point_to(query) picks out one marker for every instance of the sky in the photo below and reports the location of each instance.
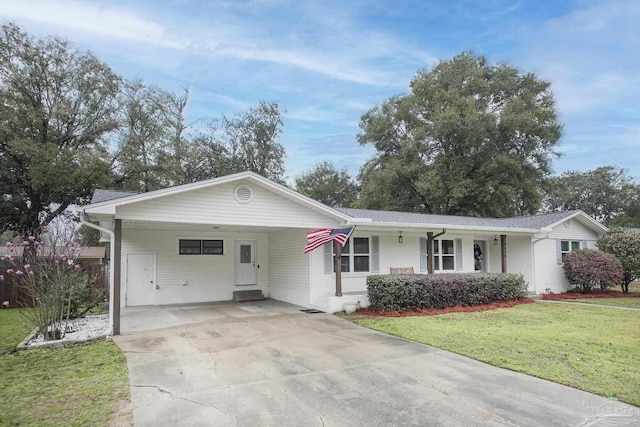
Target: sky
(328, 62)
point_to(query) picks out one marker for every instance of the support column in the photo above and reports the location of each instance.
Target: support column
(116, 264)
(337, 263)
(430, 252)
(503, 251)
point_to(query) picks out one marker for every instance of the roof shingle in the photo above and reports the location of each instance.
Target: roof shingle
(535, 222)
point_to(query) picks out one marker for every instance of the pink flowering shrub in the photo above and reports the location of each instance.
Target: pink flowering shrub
(589, 269)
(50, 282)
(624, 244)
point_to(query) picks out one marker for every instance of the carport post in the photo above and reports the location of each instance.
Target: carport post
(337, 264)
(503, 251)
(116, 264)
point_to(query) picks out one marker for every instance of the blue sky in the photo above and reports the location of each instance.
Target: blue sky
(327, 62)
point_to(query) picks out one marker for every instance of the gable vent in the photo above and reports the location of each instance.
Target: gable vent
(243, 194)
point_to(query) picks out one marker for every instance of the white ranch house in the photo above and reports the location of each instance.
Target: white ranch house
(201, 242)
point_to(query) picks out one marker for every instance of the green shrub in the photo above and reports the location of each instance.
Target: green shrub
(624, 244)
(410, 292)
(588, 269)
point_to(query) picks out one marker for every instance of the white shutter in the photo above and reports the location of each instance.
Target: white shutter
(458, 254)
(423, 254)
(558, 251)
(328, 257)
(375, 255)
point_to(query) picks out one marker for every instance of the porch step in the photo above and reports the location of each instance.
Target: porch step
(534, 296)
(252, 295)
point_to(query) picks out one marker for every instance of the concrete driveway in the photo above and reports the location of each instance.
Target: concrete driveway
(269, 364)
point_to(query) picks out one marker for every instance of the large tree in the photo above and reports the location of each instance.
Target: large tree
(250, 140)
(144, 138)
(471, 138)
(604, 193)
(57, 105)
(328, 185)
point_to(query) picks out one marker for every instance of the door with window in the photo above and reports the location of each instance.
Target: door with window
(140, 279)
(479, 255)
(245, 262)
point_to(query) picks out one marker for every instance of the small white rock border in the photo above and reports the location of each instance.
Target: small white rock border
(26, 345)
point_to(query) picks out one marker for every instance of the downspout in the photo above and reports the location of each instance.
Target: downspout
(430, 239)
(111, 234)
(533, 260)
(444, 230)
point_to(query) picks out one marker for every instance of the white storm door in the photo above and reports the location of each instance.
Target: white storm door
(245, 262)
(140, 279)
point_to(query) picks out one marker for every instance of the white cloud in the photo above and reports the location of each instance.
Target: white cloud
(110, 22)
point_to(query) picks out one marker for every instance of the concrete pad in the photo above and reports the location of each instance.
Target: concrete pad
(270, 364)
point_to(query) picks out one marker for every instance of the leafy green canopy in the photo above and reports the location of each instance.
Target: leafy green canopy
(328, 185)
(57, 105)
(605, 193)
(470, 139)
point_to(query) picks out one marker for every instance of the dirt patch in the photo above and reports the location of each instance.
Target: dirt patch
(598, 293)
(436, 311)
(123, 415)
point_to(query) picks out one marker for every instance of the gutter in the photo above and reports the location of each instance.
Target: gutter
(111, 234)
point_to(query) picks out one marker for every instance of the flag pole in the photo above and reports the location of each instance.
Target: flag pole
(337, 266)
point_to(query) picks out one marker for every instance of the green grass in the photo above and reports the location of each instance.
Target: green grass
(75, 386)
(614, 302)
(590, 348)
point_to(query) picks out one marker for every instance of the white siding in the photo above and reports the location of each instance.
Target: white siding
(289, 278)
(548, 273)
(217, 205)
(519, 258)
(208, 277)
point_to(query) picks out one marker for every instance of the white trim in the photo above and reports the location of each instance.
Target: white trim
(591, 223)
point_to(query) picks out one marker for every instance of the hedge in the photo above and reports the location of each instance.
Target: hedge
(409, 292)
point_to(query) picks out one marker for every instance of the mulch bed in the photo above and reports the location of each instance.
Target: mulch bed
(596, 293)
(435, 311)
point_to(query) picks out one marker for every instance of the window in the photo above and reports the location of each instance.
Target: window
(200, 247)
(212, 247)
(190, 247)
(444, 255)
(358, 258)
(567, 246)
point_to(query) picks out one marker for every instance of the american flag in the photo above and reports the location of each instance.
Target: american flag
(317, 238)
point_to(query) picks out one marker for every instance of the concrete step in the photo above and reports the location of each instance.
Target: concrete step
(251, 295)
(536, 297)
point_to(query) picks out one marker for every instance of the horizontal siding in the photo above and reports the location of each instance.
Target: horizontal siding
(573, 230)
(208, 277)
(289, 267)
(217, 205)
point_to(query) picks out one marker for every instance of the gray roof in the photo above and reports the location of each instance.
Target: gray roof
(104, 195)
(534, 222)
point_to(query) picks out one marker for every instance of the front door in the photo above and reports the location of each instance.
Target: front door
(140, 279)
(245, 262)
(480, 255)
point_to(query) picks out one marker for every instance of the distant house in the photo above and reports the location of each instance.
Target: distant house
(84, 255)
(203, 241)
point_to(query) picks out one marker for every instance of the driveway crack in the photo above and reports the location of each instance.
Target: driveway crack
(173, 396)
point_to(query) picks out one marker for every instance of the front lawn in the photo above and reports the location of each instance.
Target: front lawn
(75, 386)
(590, 348)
